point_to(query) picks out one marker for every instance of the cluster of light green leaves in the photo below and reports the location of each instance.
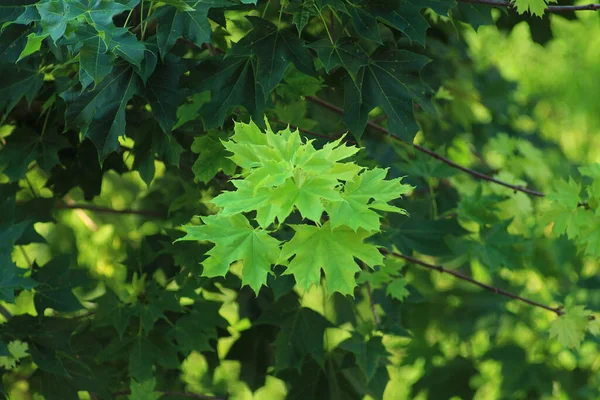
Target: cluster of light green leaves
(576, 212)
(282, 174)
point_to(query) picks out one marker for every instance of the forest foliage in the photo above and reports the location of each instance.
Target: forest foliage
(322, 199)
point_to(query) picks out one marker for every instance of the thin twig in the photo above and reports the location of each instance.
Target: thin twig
(372, 304)
(551, 9)
(5, 313)
(431, 153)
(180, 394)
(90, 207)
(557, 310)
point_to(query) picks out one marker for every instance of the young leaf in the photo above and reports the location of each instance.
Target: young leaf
(570, 327)
(236, 240)
(329, 249)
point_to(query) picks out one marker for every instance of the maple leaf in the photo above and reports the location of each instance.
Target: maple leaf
(535, 7)
(189, 20)
(343, 53)
(570, 327)
(24, 145)
(329, 249)
(143, 390)
(212, 158)
(100, 111)
(397, 289)
(370, 354)
(389, 81)
(274, 49)
(236, 240)
(356, 209)
(231, 83)
(17, 350)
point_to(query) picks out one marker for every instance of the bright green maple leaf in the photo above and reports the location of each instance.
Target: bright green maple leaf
(535, 7)
(570, 327)
(17, 350)
(397, 289)
(369, 191)
(594, 327)
(236, 240)
(329, 249)
(566, 194)
(282, 173)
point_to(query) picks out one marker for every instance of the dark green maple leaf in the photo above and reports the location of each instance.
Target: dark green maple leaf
(18, 81)
(10, 10)
(154, 142)
(406, 16)
(190, 23)
(274, 50)
(423, 236)
(141, 359)
(343, 53)
(301, 333)
(13, 39)
(23, 146)
(231, 83)
(370, 354)
(212, 157)
(57, 282)
(163, 93)
(474, 14)
(100, 111)
(195, 330)
(390, 81)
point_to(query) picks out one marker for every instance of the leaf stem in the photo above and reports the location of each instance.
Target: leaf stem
(430, 153)
(372, 304)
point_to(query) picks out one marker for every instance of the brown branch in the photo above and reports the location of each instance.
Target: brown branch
(550, 9)
(431, 153)
(5, 313)
(91, 207)
(557, 310)
(179, 394)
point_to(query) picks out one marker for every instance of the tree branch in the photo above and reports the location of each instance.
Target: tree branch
(179, 394)
(431, 153)
(557, 310)
(5, 313)
(549, 9)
